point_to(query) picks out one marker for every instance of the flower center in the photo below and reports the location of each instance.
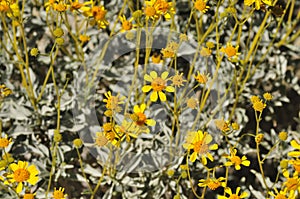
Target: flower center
(230, 51)
(76, 5)
(291, 184)
(98, 13)
(200, 147)
(58, 194)
(127, 25)
(163, 6)
(234, 196)
(213, 184)
(141, 119)
(21, 175)
(150, 11)
(101, 140)
(280, 196)
(236, 160)
(200, 5)
(4, 142)
(158, 84)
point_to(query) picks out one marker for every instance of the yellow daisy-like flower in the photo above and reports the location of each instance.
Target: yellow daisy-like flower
(283, 135)
(212, 183)
(50, 4)
(4, 142)
(268, 96)
(98, 13)
(59, 194)
(222, 125)
(201, 78)
(101, 140)
(201, 6)
(178, 80)
(158, 85)
(254, 99)
(259, 106)
(170, 50)
(192, 103)
(235, 126)
(230, 51)
(113, 102)
(295, 145)
(164, 8)
(4, 91)
(233, 195)
(22, 173)
(126, 24)
(199, 142)
(128, 129)
(139, 116)
(150, 10)
(236, 160)
(205, 52)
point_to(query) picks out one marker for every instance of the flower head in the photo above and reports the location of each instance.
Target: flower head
(156, 58)
(113, 102)
(292, 184)
(178, 80)
(233, 195)
(259, 105)
(222, 125)
(98, 13)
(100, 139)
(164, 8)
(236, 160)
(212, 183)
(192, 103)
(201, 6)
(22, 173)
(230, 51)
(29, 196)
(258, 3)
(150, 10)
(4, 91)
(282, 194)
(126, 23)
(199, 142)
(59, 194)
(268, 96)
(158, 85)
(140, 118)
(201, 78)
(4, 142)
(170, 50)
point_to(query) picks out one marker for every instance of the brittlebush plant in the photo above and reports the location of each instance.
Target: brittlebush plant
(209, 149)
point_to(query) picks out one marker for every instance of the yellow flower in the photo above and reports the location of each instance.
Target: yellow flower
(236, 160)
(76, 5)
(128, 129)
(150, 10)
(178, 80)
(254, 99)
(222, 125)
(205, 52)
(100, 139)
(140, 118)
(77, 143)
(126, 24)
(4, 142)
(257, 3)
(34, 52)
(233, 195)
(295, 145)
(201, 5)
(60, 7)
(170, 50)
(164, 8)
(58, 32)
(84, 38)
(113, 102)
(259, 137)
(212, 183)
(50, 4)
(283, 135)
(230, 51)
(59, 194)
(201, 78)
(199, 142)
(259, 106)
(192, 103)
(4, 91)
(267, 96)
(235, 126)
(22, 173)
(98, 13)
(156, 58)
(158, 85)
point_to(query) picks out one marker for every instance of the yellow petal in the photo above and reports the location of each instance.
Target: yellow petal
(148, 78)
(146, 88)
(208, 139)
(170, 89)
(213, 147)
(143, 107)
(162, 96)
(19, 187)
(150, 122)
(294, 153)
(237, 167)
(164, 75)
(33, 180)
(209, 156)
(13, 166)
(136, 109)
(246, 163)
(204, 160)
(32, 170)
(154, 96)
(295, 144)
(153, 74)
(193, 157)
(244, 195)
